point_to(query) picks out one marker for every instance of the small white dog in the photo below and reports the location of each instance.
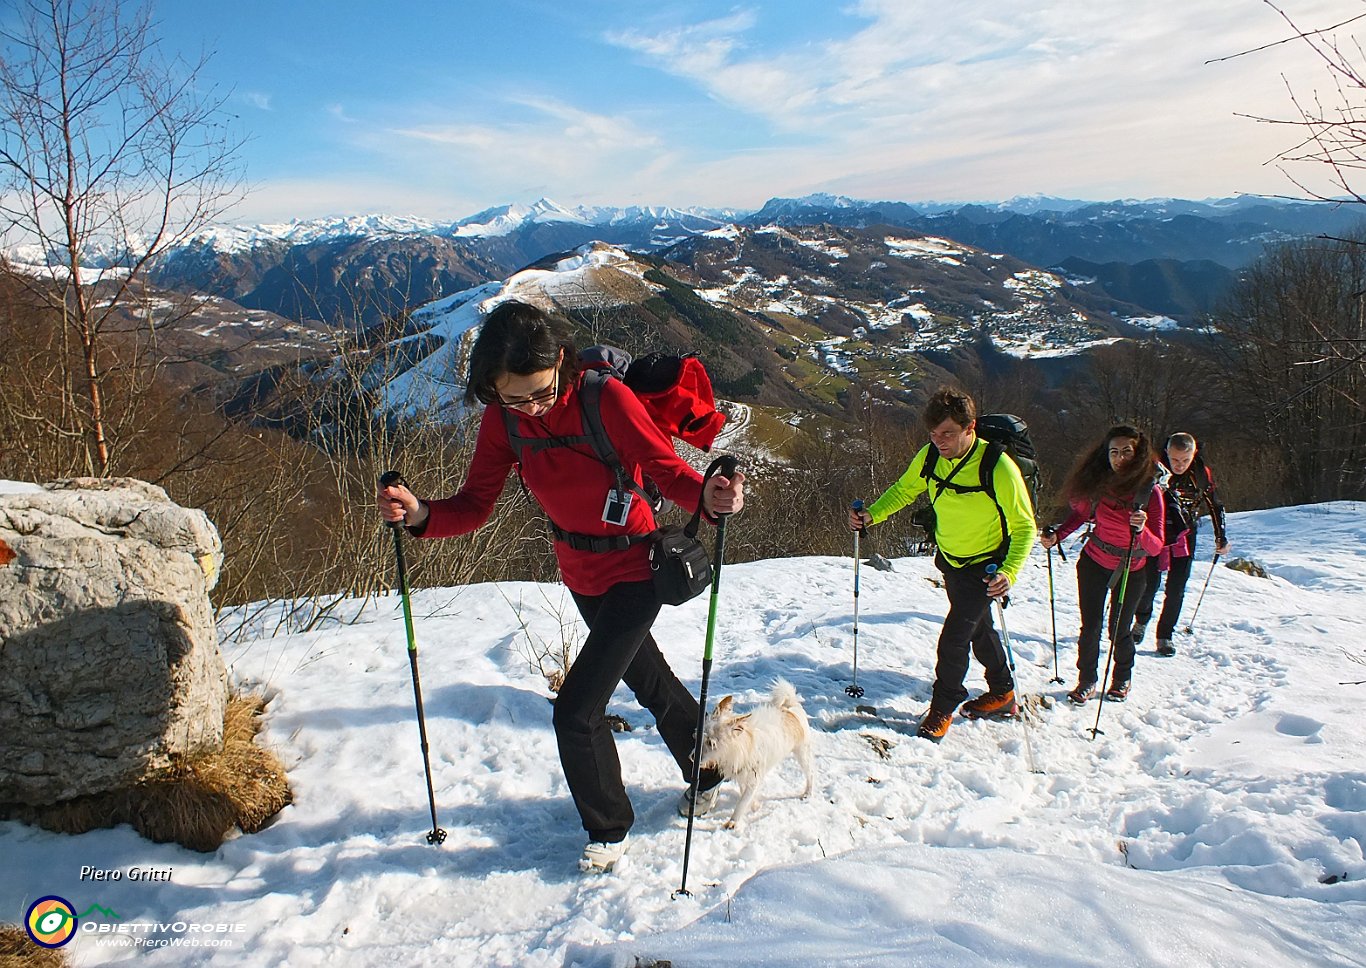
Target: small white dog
(745, 747)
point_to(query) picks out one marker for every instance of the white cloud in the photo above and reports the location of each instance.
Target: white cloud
(256, 99)
(882, 99)
(983, 97)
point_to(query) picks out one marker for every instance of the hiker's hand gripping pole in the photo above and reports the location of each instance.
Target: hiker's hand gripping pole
(726, 467)
(394, 479)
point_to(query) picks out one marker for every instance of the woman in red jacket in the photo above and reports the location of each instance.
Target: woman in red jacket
(1112, 486)
(524, 362)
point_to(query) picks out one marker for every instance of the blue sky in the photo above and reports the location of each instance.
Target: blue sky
(440, 109)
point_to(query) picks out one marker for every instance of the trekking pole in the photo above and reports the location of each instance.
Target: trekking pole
(1001, 604)
(1052, 607)
(1116, 613)
(1190, 628)
(727, 467)
(855, 690)
(389, 479)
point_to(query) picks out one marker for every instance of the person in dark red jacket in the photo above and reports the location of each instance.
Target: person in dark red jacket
(1191, 489)
(524, 361)
(1113, 486)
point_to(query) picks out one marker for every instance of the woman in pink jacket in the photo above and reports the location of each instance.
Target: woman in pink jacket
(1112, 486)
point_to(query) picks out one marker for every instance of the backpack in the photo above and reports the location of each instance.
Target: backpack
(1004, 433)
(676, 393)
(1178, 519)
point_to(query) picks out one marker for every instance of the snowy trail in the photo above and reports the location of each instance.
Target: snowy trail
(1232, 779)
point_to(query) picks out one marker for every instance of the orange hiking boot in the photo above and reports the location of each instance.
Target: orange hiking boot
(934, 725)
(1001, 704)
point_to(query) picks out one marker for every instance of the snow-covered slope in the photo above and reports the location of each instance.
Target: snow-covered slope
(1219, 819)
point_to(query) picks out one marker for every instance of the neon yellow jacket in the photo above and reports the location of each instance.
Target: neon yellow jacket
(967, 526)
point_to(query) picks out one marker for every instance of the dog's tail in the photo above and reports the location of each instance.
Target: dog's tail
(785, 695)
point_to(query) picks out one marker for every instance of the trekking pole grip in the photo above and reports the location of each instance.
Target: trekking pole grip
(390, 479)
(726, 466)
(1049, 531)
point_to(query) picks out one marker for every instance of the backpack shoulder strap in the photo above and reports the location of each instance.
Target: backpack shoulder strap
(931, 459)
(990, 458)
(590, 403)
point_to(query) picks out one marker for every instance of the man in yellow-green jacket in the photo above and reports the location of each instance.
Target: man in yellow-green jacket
(983, 516)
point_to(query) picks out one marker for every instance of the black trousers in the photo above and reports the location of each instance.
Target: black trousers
(1178, 573)
(619, 648)
(1093, 582)
(968, 630)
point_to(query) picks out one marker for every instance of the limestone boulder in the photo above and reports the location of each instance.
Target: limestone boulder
(109, 661)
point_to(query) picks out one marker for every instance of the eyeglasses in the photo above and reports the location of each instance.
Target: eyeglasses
(540, 397)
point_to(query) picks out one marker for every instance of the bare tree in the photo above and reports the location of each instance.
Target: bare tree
(1286, 327)
(1331, 135)
(110, 155)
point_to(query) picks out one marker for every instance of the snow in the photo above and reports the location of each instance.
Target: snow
(419, 379)
(1153, 322)
(1218, 819)
(940, 250)
(506, 219)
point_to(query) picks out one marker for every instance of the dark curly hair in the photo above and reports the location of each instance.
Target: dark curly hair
(1092, 478)
(517, 337)
(949, 404)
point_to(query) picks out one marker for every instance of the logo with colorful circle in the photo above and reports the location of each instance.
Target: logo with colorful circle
(51, 921)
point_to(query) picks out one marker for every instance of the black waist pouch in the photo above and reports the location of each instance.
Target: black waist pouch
(679, 563)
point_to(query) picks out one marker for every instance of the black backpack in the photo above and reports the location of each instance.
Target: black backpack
(1004, 433)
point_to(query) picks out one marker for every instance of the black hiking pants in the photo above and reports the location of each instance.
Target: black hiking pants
(1093, 582)
(968, 631)
(1178, 573)
(619, 648)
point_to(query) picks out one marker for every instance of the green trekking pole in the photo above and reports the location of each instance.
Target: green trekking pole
(1116, 612)
(727, 467)
(390, 479)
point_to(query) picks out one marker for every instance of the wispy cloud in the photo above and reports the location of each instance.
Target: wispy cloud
(549, 141)
(256, 99)
(887, 99)
(991, 92)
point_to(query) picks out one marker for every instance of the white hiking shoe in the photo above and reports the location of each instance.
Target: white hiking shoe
(706, 800)
(600, 858)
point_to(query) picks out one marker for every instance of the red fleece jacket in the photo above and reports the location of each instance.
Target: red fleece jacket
(571, 484)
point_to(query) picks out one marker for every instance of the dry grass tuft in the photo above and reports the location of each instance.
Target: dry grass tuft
(17, 950)
(196, 803)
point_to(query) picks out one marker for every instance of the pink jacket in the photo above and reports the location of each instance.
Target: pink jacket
(1112, 527)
